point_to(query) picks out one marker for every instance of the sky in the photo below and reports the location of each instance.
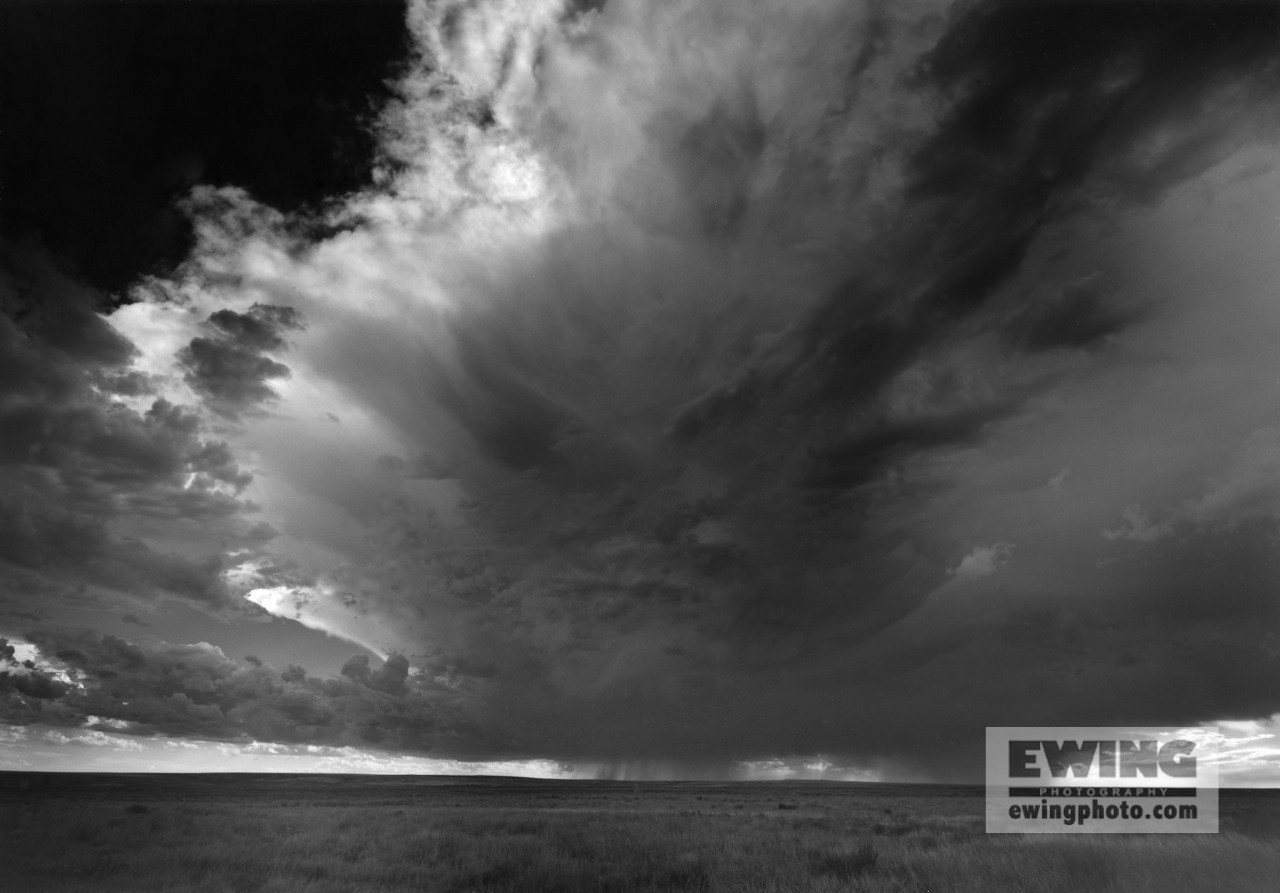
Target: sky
(679, 389)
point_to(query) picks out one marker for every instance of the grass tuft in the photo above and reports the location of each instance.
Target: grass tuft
(845, 866)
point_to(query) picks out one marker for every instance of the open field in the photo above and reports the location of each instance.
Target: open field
(334, 834)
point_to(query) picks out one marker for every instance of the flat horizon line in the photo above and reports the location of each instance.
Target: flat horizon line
(464, 779)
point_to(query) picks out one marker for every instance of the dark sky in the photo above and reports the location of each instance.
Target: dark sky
(633, 385)
(112, 110)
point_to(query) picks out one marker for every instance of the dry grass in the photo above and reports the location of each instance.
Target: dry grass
(292, 838)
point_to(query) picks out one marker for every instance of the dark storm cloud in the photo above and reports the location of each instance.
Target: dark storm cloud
(860, 459)
(1045, 103)
(54, 344)
(83, 475)
(1169, 638)
(1042, 112)
(56, 311)
(76, 551)
(1053, 91)
(259, 329)
(1079, 316)
(717, 157)
(918, 363)
(511, 422)
(158, 688)
(229, 369)
(389, 678)
(101, 451)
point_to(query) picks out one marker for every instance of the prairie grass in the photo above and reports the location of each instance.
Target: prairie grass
(572, 837)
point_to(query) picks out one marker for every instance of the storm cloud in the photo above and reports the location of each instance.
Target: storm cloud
(229, 368)
(697, 383)
(108, 491)
(150, 688)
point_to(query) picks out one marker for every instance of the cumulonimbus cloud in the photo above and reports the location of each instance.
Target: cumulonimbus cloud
(680, 353)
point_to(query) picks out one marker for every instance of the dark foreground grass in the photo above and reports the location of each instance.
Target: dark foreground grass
(229, 835)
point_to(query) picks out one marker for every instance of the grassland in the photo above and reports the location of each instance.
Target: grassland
(336, 834)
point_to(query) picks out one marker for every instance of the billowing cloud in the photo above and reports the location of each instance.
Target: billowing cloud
(686, 387)
(106, 486)
(984, 560)
(229, 368)
(111, 686)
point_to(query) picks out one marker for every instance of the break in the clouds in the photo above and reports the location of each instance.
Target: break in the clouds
(695, 382)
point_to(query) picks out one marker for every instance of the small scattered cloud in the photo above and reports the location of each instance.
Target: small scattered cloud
(1137, 526)
(984, 561)
(90, 739)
